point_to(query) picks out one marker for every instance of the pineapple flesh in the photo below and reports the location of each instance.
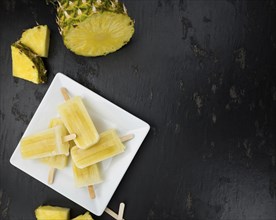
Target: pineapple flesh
(94, 27)
(52, 213)
(26, 64)
(37, 39)
(85, 216)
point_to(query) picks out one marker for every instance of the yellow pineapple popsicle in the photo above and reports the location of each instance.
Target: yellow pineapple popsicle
(77, 120)
(58, 161)
(86, 176)
(108, 146)
(46, 143)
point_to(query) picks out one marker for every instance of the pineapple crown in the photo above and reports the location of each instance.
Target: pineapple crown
(71, 12)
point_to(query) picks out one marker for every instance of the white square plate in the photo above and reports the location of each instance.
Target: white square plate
(105, 115)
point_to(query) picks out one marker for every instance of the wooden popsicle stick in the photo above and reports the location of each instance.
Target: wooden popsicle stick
(69, 137)
(111, 213)
(91, 192)
(64, 92)
(66, 97)
(51, 175)
(121, 211)
(127, 137)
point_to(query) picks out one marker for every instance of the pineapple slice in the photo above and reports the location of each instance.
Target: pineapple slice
(52, 213)
(37, 39)
(26, 64)
(85, 216)
(99, 35)
(94, 27)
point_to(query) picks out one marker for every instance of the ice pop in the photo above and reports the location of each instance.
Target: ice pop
(88, 176)
(50, 142)
(83, 175)
(58, 161)
(77, 120)
(109, 145)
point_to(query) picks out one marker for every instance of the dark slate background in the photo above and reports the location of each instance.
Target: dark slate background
(201, 73)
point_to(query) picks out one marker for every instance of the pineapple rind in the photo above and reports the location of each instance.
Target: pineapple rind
(39, 74)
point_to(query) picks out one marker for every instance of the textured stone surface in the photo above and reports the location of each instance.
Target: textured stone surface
(201, 73)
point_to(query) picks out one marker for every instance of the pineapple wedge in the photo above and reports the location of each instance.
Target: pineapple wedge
(85, 216)
(52, 213)
(26, 64)
(37, 39)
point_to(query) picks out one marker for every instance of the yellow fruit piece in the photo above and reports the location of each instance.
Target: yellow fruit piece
(52, 213)
(26, 64)
(58, 161)
(87, 176)
(37, 39)
(108, 146)
(78, 121)
(85, 216)
(44, 144)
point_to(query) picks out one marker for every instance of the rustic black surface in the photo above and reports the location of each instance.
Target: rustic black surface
(201, 73)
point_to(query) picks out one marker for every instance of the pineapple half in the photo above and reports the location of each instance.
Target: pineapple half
(37, 39)
(26, 64)
(52, 213)
(94, 27)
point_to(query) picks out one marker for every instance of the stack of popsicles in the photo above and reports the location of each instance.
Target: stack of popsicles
(52, 145)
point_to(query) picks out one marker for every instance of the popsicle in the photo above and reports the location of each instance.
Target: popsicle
(77, 121)
(77, 173)
(88, 176)
(58, 161)
(50, 142)
(109, 145)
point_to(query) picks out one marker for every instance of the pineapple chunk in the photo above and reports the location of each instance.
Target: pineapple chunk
(85, 216)
(37, 39)
(26, 64)
(52, 213)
